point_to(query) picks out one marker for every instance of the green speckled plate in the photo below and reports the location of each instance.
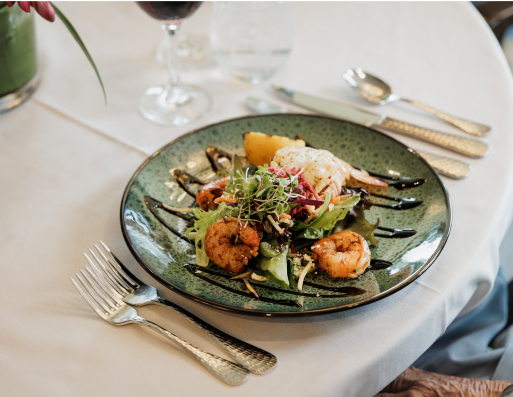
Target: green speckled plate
(164, 255)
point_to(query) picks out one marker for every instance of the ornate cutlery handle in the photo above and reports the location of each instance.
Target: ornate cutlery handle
(452, 168)
(253, 358)
(464, 125)
(468, 146)
(225, 370)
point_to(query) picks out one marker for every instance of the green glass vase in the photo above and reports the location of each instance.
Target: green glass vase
(18, 57)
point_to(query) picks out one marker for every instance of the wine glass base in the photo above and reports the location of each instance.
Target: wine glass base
(155, 106)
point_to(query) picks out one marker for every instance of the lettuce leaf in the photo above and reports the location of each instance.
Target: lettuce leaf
(269, 249)
(328, 219)
(292, 278)
(313, 234)
(298, 225)
(275, 268)
(324, 206)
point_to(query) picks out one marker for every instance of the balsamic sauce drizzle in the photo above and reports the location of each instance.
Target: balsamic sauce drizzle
(214, 154)
(400, 183)
(184, 180)
(395, 233)
(153, 204)
(193, 270)
(344, 291)
(378, 264)
(402, 203)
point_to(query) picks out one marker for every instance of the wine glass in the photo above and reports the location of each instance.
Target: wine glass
(175, 103)
(193, 49)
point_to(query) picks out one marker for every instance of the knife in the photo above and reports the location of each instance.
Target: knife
(451, 168)
(467, 146)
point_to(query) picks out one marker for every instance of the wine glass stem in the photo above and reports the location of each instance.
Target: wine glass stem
(174, 92)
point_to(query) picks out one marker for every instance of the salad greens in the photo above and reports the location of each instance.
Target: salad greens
(287, 214)
(275, 267)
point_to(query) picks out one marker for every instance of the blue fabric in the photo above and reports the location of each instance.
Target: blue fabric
(476, 345)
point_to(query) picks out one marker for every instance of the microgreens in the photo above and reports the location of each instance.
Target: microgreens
(266, 192)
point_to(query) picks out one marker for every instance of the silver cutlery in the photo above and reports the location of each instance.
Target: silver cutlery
(378, 92)
(449, 167)
(467, 146)
(128, 288)
(446, 166)
(260, 106)
(113, 310)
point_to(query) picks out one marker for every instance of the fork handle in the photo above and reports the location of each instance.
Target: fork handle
(230, 373)
(253, 358)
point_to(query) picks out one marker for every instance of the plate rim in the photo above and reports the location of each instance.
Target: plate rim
(263, 313)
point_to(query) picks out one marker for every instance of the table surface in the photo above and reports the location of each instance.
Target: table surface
(66, 159)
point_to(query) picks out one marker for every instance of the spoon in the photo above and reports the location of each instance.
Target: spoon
(378, 92)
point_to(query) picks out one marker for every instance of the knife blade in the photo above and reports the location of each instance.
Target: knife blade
(449, 167)
(467, 146)
(260, 106)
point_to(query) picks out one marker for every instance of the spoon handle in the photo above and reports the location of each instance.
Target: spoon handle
(468, 146)
(464, 125)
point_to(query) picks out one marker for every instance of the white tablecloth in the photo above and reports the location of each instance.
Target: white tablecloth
(65, 159)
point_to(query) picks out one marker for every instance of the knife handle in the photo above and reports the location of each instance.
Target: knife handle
(467, 146)
(451, 168)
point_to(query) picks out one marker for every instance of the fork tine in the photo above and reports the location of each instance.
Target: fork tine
(106, 288)
(107, 281)
(120, 267)
(89, 301)
(118, 287)
(96, 296)
(99, 291)
(92, 296)
(116, 269)
(114, 277)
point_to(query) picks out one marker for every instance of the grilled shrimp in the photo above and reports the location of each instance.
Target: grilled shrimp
(342, 255)
(230, 245)
(209, 192)
(324, 171)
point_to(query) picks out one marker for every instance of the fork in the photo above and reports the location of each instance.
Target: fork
(128, 288)
(117, 312)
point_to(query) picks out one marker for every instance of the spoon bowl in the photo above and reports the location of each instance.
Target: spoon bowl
(370, 87)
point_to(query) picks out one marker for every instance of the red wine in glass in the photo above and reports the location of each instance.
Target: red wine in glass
(169, 10)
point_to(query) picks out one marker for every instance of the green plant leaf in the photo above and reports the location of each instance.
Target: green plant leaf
(77, 38)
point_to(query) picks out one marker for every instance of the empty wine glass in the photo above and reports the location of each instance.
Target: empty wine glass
(174, 103)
